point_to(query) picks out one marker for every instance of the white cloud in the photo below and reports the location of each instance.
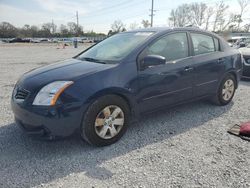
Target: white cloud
(69, 7)
(19, 17)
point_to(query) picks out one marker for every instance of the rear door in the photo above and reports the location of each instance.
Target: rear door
(209, 63)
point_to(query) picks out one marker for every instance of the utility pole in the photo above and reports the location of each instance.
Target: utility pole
(53, 27)
(152, 13)
(77, 20)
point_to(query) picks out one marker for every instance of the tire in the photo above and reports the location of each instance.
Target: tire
(99, 119)
(220, 97)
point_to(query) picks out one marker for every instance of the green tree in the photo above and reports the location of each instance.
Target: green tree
(7, 30)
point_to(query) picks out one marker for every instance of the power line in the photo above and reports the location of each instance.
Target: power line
(141, 13)
(98, 12)
(111, 9)
(204, 1)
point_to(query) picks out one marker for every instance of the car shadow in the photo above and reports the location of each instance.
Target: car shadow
(27, 162)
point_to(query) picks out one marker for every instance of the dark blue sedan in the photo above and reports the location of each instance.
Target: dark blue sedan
(97, 92)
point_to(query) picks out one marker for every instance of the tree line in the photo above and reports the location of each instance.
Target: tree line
(215, 18)
(8, 30)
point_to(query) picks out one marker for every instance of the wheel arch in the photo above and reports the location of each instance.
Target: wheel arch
(216, 99)
(87, 130)
(232, 72)
(126, 95)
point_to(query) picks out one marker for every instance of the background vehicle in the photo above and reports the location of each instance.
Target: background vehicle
(231, 42)
(246, 65)
(16, 40)
(129, 74)
(238, 42)
(65, 40)
(35, 40)
(86, 40)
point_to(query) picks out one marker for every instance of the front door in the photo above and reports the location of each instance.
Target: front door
(170, 83)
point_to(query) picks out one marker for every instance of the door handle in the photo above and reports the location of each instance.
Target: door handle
(188, 69)
(221, 60)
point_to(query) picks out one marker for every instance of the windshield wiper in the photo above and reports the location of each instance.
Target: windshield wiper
(93, 60)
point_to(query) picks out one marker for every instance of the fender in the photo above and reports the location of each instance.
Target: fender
(126, 94)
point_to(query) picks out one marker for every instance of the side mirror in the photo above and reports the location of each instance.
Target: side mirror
(153, 60)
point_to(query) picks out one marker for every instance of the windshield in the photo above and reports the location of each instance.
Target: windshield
(114, 48)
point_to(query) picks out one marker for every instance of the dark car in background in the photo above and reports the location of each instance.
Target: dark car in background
(246, 63)
(19, 40)
(124, 76)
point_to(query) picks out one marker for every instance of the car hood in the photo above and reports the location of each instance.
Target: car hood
(71, 69)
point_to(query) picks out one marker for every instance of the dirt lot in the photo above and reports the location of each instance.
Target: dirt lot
(186, 146)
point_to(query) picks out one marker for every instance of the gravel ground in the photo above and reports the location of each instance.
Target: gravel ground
(186, 146)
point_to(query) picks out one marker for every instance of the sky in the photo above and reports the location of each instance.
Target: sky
(96, 15)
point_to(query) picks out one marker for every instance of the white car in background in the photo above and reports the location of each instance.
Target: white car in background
(86, 40)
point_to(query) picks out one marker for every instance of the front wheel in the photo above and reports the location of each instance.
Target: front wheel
(105, 121)
(226, 91)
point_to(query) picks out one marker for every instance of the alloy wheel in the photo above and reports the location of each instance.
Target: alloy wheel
(109, 122)
(228, 90)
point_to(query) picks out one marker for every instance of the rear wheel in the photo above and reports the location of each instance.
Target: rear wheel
(226, 91)
(105, 121)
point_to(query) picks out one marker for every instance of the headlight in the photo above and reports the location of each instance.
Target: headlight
(49, 94)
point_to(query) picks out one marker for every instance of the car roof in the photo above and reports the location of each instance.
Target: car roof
(152, 29)
(168, 29)
(164, 30)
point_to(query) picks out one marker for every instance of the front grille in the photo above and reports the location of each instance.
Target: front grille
(20, 93)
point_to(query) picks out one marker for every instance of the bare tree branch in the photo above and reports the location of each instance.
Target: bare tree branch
(243, 5)
(219, 15)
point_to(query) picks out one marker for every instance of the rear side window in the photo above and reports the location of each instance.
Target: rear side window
(216, 44)
(202, 43)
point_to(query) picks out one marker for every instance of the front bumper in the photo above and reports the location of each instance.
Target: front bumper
(48, 122)
(35, 131)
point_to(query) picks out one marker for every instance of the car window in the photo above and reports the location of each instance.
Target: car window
(217, 44)
(202, 43)
(172, 47)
